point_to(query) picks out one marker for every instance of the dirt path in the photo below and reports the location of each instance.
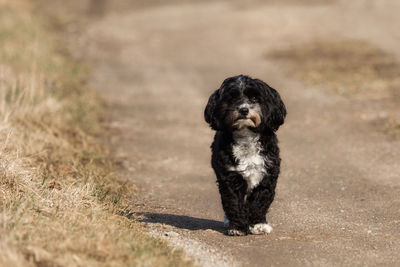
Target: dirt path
(337, 198)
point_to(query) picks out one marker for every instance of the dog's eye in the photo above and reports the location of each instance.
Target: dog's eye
(253, 99)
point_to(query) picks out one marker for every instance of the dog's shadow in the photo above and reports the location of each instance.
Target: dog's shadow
(181, 221)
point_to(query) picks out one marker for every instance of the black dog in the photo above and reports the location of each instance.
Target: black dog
(245, 113)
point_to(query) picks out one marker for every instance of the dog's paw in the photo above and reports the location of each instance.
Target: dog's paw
(260, 229)
(235, 232)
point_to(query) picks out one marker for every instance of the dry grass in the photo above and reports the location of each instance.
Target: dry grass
(59, 198)
(350, 68)
(353, 69)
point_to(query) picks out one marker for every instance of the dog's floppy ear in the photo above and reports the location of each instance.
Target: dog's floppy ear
(209, 112)
(275, 108)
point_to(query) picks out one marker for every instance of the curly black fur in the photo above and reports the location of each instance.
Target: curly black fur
(245, 204)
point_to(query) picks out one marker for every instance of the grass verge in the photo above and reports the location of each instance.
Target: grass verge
(354, 69)
(59, 198)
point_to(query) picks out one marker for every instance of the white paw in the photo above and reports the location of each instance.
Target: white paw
(236, 232)
(260, 229)
(226, 222)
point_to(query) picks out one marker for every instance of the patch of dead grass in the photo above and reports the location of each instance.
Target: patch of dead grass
(59, 197)
(349, 68)
(392, 126)
(354, 69)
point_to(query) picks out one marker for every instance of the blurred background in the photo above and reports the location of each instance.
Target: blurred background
(345, 48)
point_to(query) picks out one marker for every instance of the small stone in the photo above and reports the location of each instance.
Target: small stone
(171, 234)
(283, 237)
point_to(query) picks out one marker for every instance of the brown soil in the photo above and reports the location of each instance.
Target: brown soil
(337, 198)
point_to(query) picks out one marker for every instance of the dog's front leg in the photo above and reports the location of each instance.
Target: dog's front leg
(259, 202)
(233, 190)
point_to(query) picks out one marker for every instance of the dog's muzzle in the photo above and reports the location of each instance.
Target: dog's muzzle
(246, 117)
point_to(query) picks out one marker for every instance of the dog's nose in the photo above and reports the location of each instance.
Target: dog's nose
(244, 111)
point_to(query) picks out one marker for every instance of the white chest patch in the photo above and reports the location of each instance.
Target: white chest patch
(247, 151)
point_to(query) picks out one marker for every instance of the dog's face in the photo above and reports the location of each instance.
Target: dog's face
(244, 102)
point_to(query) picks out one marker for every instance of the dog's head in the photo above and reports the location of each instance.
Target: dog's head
(245, 102)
